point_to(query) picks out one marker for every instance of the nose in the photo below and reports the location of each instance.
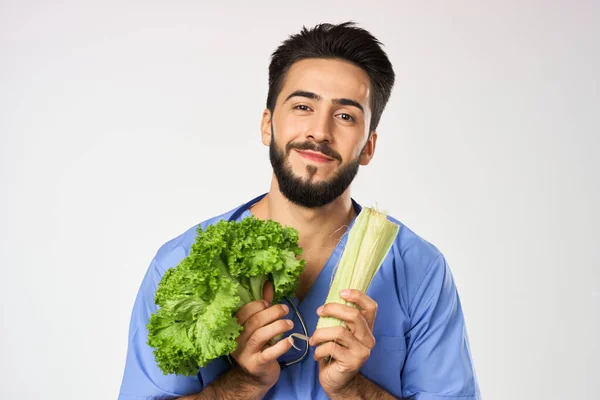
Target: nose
(320, 131)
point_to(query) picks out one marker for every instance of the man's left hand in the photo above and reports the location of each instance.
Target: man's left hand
(344, 350)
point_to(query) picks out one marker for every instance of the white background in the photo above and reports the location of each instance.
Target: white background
(124, 123)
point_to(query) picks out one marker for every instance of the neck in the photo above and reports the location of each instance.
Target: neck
(320, 226)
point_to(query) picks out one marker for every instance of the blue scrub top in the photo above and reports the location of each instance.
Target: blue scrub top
(422, 349)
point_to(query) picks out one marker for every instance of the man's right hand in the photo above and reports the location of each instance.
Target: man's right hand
(261, 323)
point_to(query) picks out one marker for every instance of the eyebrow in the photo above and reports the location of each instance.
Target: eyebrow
(314, 96)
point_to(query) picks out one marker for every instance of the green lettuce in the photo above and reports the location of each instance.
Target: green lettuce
(226, 268)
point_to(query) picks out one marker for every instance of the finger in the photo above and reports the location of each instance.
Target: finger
(352, 316)
(349, 359)
(332, 350)
(366, 304)
(274, 352)
(337, 334)
(264, 317)
(248, 310)
(257, 341)
(268, 292)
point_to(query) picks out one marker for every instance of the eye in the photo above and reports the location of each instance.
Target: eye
(346, 117)
(302, 107)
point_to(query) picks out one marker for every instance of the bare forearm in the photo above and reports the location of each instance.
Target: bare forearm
(361, 388)
(234, 384)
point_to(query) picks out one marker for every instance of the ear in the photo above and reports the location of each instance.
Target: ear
(265, 127)
(369, 150)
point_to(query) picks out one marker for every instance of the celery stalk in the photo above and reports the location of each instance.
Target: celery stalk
(369, 241)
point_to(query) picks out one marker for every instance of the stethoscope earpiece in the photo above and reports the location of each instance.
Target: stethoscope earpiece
(286, 364)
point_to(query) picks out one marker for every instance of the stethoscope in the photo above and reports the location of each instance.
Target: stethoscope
(237, 214)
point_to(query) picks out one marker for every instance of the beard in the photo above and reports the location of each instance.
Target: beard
(301, 191)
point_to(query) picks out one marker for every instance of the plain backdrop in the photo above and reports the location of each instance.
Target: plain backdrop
(124, 123)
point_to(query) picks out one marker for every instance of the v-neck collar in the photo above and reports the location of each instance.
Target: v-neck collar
(317, 294)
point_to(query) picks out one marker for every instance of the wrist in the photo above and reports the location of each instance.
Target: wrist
(254, 381)
(239, 382)
(348, 392)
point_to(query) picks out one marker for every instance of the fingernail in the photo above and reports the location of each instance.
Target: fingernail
(290, 323)
(319, 310)
(266, 303)
(344, 293)
(286, 309)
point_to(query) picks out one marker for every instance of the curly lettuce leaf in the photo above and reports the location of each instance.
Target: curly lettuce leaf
(226, 268)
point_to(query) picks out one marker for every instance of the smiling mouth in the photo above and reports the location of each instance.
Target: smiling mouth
(314, 156)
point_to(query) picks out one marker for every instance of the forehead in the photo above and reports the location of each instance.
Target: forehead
(331, 79)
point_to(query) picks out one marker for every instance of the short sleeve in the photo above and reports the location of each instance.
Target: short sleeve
(142, 379)
(438, 364)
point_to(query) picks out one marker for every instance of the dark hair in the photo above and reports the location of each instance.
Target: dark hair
(345, 42)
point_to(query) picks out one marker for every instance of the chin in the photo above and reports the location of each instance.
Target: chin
(319, 172)
(318, 177)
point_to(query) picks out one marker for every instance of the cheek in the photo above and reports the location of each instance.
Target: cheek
(292, 126)
(350, 154)
(360, 147)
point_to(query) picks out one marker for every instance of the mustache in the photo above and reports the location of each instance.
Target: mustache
(321, 148)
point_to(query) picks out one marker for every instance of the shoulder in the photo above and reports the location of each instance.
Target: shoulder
(413, 247)
(415, 258)
(176, 249)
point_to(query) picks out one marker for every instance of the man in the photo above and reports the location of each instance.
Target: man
(328, 87)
